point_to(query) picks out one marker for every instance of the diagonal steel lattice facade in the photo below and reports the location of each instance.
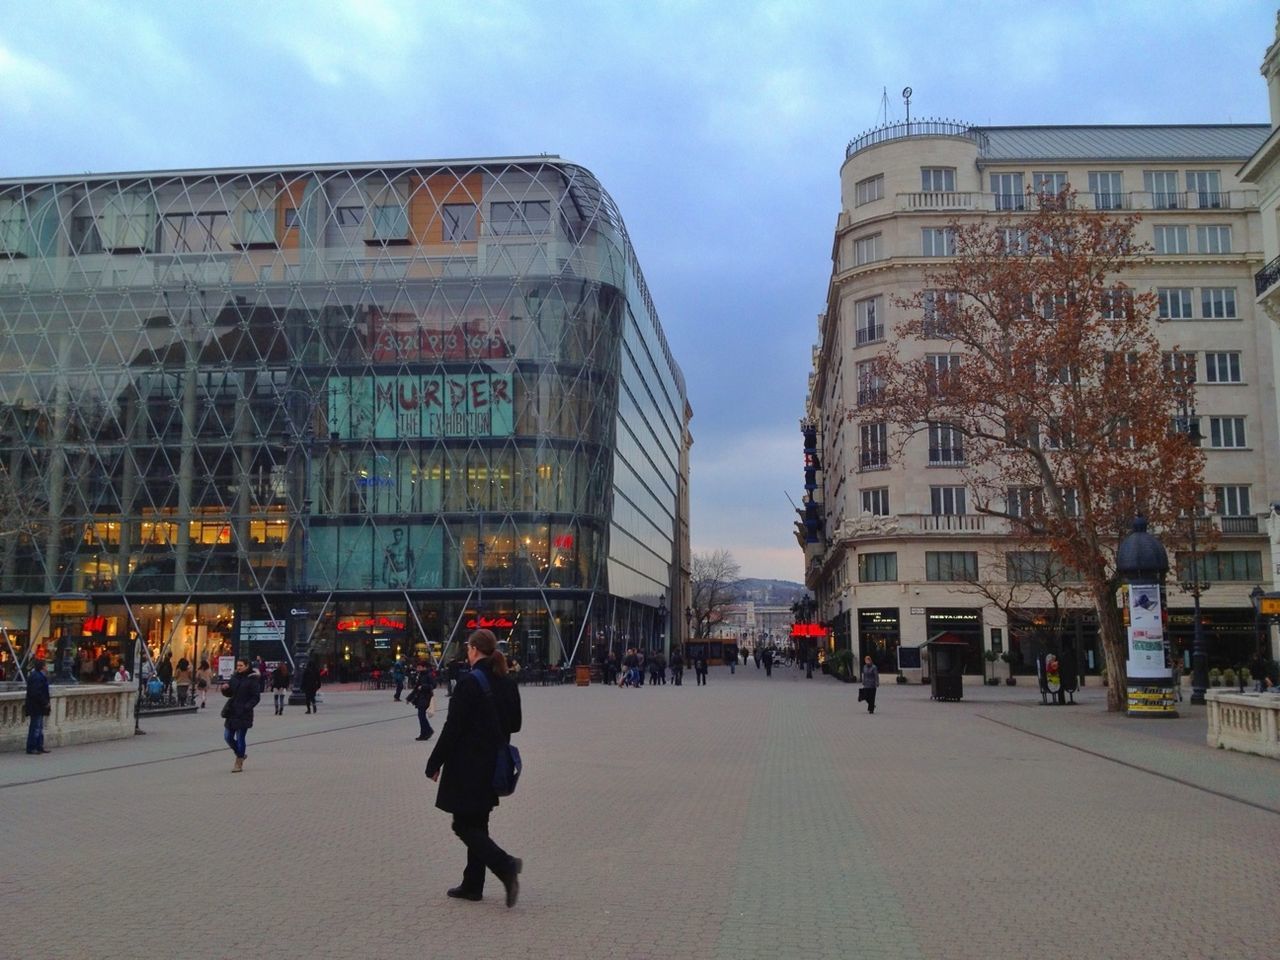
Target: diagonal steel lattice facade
(335, 411)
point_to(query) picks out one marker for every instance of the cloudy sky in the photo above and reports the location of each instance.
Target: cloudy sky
(718, 127)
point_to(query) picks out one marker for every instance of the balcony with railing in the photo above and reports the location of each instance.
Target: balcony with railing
(944, 523)
(1267, 277)
(960, 200)
(1246, 525)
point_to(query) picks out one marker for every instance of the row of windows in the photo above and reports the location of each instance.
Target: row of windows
(1175, 238)
(1042, 567)
(1229, 500)
(946, 443)
(1173, 303)
(940, 241)
(137, 229)
(1203, 187)
(1216, 303)
(1220, 366)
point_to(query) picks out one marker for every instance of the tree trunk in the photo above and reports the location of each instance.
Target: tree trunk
(1115, 646)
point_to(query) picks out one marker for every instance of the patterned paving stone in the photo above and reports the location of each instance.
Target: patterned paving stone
(751, 818)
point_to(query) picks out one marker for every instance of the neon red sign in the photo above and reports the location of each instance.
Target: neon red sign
(490, 623)
(93, 625)
(563, 542)
(807, 630)
(361, 623)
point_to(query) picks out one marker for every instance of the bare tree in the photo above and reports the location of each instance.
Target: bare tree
(715, 577)
(1049, 389)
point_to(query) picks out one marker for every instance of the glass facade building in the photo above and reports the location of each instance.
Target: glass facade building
(353, 411)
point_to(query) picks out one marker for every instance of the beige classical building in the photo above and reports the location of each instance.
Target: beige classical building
(899, 536)
(1263, 169)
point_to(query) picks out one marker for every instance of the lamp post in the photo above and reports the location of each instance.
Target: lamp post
(662, 623)
(1194, 583)
(300, 409)
(1260, 658)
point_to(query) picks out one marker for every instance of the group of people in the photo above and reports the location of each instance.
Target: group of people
(635, 665)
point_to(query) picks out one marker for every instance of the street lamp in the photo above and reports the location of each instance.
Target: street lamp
(1255, 598)
(662, 620)
(1194, 584)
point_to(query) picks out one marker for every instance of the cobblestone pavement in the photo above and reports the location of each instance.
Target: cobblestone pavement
(750, 818)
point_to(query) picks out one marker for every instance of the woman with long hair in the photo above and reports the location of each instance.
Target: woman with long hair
(281, 683)
(483, 713)
(242, 693)
(204, 676)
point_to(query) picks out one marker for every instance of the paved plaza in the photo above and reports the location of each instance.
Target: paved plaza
(751, 818)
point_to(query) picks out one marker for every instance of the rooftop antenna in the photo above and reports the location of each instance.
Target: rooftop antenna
(906, 97)
(884, 106)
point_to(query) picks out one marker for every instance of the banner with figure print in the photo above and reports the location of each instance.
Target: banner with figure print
(397, 556)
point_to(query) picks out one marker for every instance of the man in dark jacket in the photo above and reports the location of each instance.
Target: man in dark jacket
(38, 707)
(464, 759)
(311, 683)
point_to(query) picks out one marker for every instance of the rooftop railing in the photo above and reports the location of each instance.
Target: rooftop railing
(915, 128)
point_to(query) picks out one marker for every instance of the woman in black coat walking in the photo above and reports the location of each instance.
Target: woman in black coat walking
(242, 692)
(311, 683)
(464, 759)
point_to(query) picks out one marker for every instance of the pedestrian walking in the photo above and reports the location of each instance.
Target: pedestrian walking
(36, 706)
(311, 683)
(260, 669)
(281, 684)
(870, 682)
(243, 691)
(733, 662)
(204, 677)
(422, 696)
(677, 668)
(483, 714)
(398, 675)
(767, 659)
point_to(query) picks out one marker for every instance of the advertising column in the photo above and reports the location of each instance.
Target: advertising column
(1151, 690)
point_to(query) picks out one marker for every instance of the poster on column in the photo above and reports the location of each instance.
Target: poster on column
(1146, 633)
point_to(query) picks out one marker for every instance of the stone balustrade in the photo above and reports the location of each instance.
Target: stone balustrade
(81, 713)
(1248, 722)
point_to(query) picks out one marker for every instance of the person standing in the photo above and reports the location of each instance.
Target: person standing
(164, 673)
(700, 668)
(243, 691)
(463, 763)
(870, 682)
(281, 684)
(311, 683)
(421, 696)
(260, 670)
(37, 706)
(183, 680)
(677, 667)
(767, 659)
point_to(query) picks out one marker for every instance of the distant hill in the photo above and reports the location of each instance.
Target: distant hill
(771, 592)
